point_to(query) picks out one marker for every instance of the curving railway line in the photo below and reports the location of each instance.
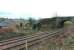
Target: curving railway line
(31, 40)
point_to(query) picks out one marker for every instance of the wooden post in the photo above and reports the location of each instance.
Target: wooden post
(26, 45)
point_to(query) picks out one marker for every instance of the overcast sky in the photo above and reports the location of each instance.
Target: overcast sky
(36, 8)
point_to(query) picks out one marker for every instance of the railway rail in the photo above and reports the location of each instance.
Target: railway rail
(31, 39)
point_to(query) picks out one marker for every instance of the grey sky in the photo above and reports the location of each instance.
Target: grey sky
(36, 8)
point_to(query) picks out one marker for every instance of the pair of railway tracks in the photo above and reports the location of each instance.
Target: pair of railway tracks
(31, 39)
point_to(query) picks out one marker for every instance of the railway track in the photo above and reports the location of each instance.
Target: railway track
(31, 39)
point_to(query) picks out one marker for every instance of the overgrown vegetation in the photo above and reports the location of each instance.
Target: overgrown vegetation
(4, 36)
(32, 26)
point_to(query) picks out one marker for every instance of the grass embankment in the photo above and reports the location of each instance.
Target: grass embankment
(68, 45)
(4, 36)
(8, 35)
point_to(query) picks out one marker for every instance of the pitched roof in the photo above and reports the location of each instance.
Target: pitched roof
(6, 22)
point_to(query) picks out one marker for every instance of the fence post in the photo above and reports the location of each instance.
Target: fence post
(26, 45)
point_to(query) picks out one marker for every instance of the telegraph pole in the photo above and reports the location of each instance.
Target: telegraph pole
(57, 19)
